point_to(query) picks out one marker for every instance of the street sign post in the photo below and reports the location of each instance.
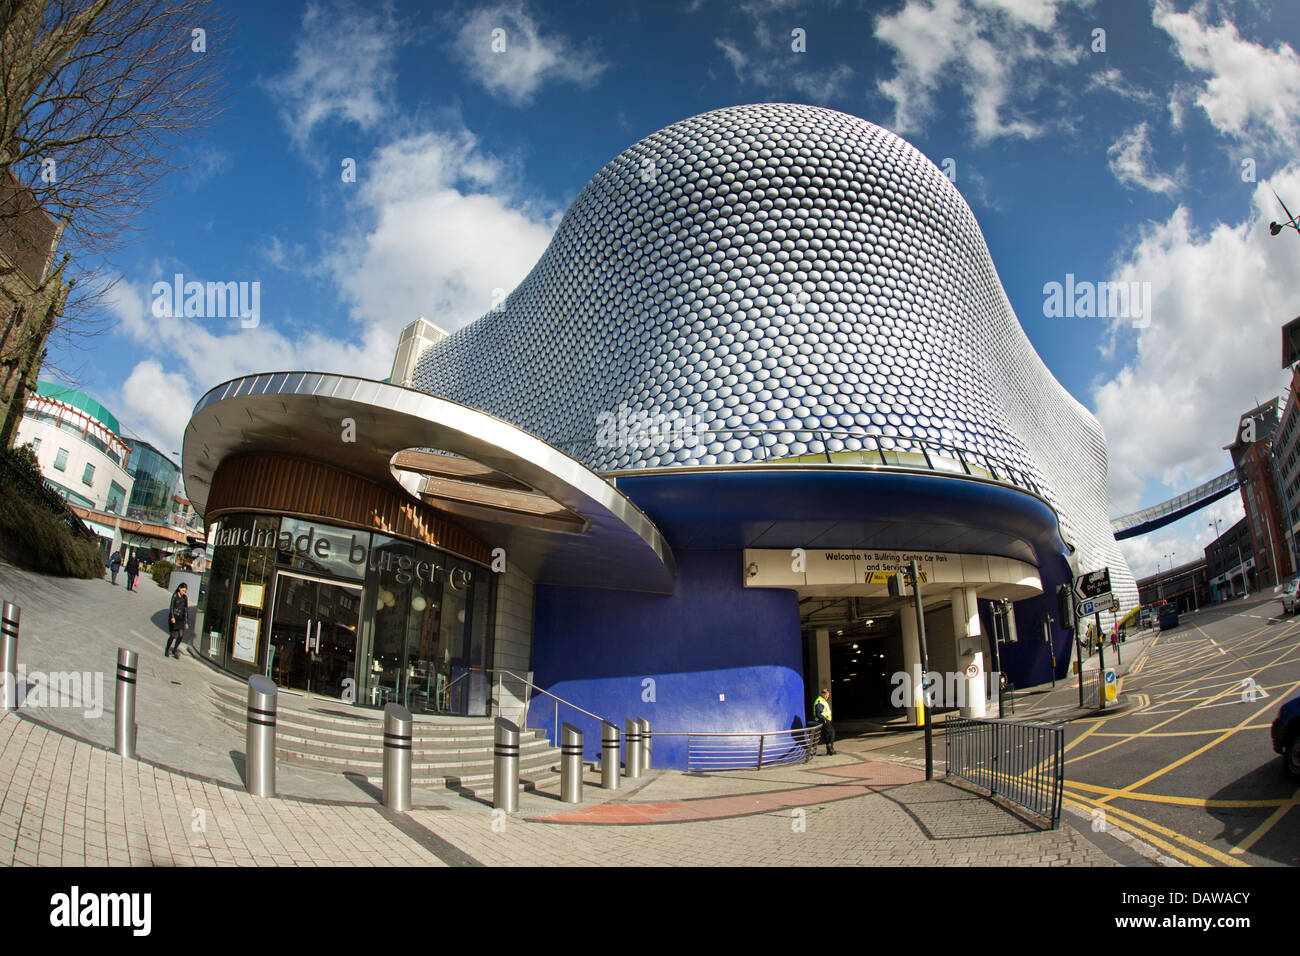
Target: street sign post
(1093, 588)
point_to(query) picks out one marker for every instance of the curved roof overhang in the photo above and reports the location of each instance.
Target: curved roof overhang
(841, 506)
(559, 522)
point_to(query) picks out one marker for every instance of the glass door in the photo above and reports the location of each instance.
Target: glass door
(314, 635)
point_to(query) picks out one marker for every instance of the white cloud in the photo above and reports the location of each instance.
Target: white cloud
(988, 48)
(158, 404)
(736, 58)
(1211, 350)
(1185, 540)
(1132, 163)
(440, 229)
(1113, 81)
(505, 51)
(342, 69)
(1252, 93)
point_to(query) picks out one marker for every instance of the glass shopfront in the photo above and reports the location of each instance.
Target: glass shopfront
(348, 615)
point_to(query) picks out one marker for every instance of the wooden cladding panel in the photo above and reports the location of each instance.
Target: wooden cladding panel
(309, 489)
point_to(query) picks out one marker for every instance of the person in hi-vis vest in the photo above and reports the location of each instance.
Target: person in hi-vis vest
(822, 714)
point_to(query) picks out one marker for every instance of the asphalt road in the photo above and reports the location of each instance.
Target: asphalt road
(1189, 767)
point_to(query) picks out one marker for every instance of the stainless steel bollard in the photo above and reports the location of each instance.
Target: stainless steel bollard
(124, 708)
(609, 744)
(9, 655)
(505, 767)
(397, 757)
(570, 764)
(645, 742)
(632, 750)
(259, 737)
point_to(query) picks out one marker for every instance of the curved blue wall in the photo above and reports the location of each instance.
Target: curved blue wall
(1028, 662)
(667, 658)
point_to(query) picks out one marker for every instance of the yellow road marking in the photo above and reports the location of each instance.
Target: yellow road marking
(1274, 819)
(1185, 841)
(1151, 838)
(1195, 753)
(1176, 800)
(1186, 733)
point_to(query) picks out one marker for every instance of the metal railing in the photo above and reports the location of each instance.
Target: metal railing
(847, 446)
(41, 492)
(528, 700)
(706, 752)
(1023, 762)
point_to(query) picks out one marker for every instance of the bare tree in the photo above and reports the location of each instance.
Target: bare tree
(95, 98)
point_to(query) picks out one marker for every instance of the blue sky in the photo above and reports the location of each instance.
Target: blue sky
(1149, 160)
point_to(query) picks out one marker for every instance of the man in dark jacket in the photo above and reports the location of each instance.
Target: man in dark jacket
(115, 564)
(178, 618)
(132, 572)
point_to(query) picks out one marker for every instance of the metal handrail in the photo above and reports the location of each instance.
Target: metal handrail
(801, 744)
(523, 720)
(873, 443)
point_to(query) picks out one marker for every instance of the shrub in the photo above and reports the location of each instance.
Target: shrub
(162, 572)
(40, 539)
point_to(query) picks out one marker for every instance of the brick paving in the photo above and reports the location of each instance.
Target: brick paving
(67, 800)
(67, 803)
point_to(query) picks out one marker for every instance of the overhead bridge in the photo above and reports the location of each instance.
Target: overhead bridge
(1167, 512)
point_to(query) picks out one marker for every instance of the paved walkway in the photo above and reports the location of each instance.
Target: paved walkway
(66, 799)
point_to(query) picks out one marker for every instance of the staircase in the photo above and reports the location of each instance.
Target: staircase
(451, 752)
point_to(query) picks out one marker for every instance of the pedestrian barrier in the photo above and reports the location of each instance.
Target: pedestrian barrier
(707, 752)
(9, 655)
(609, 748)
(124, 730)
(397, 758)
(571, 764)
(632, 749)
(505, 766)
(644, 726)
(259, 736)
(1024, 763)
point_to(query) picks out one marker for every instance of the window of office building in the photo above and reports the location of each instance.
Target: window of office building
(116, 498)
(88, 476)
(61, 459)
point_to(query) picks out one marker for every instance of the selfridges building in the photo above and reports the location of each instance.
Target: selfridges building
(765, 361)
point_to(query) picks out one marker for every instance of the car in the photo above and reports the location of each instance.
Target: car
(1286, 736)
(1291, 597)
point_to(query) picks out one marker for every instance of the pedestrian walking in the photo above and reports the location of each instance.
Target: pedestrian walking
(115, 565)
(132, 572)
(178, 619)
(822, 714)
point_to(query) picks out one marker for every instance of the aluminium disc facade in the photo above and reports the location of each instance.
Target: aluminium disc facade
(779, 280)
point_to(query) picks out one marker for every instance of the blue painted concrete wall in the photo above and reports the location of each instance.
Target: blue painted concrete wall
(667, 658)
(1028, 662)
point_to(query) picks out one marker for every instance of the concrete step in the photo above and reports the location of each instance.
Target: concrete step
(288, 724)
(453, 752)
(372, 751)
(364, 720)
(481, 770)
